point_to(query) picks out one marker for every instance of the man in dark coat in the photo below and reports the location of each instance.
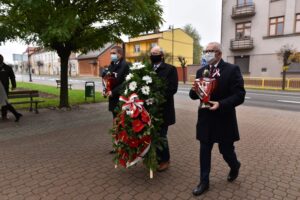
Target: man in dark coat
(120, 69)
(218, 124)
(169, 74)
(6, 74)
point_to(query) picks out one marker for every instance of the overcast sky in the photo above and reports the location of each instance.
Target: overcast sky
(204, 15)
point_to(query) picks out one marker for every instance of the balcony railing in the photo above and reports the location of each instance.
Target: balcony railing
(244, 43)
(245, 10)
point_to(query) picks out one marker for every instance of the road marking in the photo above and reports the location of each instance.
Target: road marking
(247, 97)
(284, 101)
(274, 95)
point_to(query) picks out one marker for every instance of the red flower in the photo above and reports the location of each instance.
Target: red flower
(122, 162)
(123, 136)
(146, 139)
(137, 125)
(133, 143)
(145, 116)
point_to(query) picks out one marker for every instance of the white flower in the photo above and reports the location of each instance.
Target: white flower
(148, 79)
(132, 86)
(129, 76)
(136, 66)
(146, 90)
(126, 91)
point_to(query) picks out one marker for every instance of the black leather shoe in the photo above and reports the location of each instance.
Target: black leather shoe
(200, 189)
(234, 173)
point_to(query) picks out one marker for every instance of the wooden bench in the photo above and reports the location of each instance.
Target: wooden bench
(58, 84)
(30, 94)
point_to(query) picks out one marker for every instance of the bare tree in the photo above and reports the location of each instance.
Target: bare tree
(285, 53)
(183, 62)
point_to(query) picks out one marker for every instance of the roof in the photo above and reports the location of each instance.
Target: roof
(95, 53)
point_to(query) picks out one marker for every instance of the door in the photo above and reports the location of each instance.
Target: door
(243, 63)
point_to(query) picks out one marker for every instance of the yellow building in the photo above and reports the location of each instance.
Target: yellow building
(174, 42)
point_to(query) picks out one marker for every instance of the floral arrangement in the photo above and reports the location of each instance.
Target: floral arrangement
(135, 129)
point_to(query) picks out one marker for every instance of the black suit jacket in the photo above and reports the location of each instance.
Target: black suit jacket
(169, 74)
(122, 69)
(7, 73)
(221, 125)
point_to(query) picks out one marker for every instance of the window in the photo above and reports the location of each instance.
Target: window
(244, 2)
(276, 26)
(243, 30)
(137, 48)
(297, 26)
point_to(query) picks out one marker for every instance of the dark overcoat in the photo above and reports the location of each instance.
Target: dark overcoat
(221, 125)
(121, 69)
(170, 76)
(6, 74)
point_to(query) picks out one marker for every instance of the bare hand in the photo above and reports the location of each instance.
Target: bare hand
(193, 87)
(214, 105)
(109, 94)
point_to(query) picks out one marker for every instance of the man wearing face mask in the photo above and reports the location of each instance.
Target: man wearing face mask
(120, 69)
(169, 74)
(218, 124)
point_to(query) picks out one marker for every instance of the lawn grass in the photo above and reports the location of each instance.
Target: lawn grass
(51, 96)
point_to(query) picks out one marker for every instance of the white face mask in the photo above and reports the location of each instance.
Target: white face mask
(209, 57)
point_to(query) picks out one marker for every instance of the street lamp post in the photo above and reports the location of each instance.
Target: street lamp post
(172, 28)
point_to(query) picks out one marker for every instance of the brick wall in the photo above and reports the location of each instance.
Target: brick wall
(85, 67)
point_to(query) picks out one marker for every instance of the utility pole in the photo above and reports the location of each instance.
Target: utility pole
(172, 26)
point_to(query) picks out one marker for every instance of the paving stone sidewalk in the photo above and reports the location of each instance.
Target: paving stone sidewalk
(64, 155)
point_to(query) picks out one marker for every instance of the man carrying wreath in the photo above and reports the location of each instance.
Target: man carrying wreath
(218, 123)
(169, 74)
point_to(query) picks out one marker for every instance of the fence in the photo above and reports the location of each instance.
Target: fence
(267, 83)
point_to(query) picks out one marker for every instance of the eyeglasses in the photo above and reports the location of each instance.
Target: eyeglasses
(210, 51)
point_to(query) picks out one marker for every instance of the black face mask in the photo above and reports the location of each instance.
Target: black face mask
(155, 59)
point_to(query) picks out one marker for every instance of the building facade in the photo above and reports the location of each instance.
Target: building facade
(93, 62)
(174, 42)
(254, 31)
(46, 62)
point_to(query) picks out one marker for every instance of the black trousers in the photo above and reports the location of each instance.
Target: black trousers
(226, 149)
(164, 154)
(10, 108)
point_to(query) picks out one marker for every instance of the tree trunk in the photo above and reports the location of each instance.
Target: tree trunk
(64, 93)
(283, 78)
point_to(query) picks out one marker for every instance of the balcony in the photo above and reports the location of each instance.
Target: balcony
(243, 43)
(241, 11)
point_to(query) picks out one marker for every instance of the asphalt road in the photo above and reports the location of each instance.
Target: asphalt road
(259, 98)
(268, 99)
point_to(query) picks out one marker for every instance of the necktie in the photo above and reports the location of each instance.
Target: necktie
(211, 70)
